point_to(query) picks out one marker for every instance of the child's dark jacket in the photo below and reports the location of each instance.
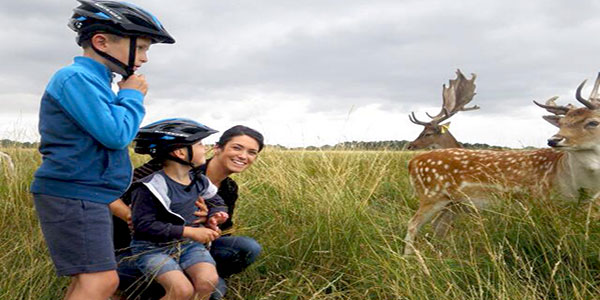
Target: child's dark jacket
(152, 217)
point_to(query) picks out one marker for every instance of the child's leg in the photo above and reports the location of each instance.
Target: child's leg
(79, 238)
(197, 263)
(99, 285)
(156, 262)
(176, 285)
(204, 277)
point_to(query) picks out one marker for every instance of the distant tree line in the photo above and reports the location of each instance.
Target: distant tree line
(6, 143)
(383, 145)
(353, 145)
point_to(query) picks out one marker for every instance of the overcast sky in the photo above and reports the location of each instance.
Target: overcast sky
(321, 72)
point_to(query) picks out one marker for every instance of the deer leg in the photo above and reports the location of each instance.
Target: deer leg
(423, 215)
(443, 222)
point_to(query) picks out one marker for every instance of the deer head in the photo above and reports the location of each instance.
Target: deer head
(455, 97)
(578, 127)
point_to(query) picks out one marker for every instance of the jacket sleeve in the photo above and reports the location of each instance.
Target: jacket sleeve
(145, 213)
(112, 122)
(215, 204)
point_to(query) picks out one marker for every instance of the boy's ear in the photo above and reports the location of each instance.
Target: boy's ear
(180, 153)
(100, 41)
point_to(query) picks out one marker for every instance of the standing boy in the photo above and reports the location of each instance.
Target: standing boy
(85, 129)
(168, 247)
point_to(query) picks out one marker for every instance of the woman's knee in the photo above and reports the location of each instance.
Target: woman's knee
(251, 250)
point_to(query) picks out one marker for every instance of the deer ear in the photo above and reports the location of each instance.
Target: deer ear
(444, 127)
(554, 120)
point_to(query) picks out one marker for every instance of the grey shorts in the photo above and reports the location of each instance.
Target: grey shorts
(78, 234)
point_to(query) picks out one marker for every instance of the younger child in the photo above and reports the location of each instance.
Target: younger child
(167, 245)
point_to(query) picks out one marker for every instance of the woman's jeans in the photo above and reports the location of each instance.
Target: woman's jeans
(234, 253)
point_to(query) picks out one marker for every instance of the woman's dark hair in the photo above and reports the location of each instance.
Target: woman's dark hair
(241, 130)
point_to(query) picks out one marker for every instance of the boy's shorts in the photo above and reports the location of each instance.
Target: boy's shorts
(78, 234)
(156, 259)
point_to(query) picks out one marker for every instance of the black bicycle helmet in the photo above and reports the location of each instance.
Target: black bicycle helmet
(119, 18)
(160, 138)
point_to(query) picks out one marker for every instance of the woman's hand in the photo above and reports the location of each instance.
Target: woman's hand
(200, 234)
(201, 213)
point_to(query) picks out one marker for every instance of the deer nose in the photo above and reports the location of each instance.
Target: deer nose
(555, 140)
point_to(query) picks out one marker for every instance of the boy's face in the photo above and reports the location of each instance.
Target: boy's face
(119, 49)
(199, 154)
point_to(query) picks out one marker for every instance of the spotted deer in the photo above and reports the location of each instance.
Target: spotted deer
(570, 167)
(455, 96)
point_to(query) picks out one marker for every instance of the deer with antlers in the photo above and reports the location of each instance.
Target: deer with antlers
(572, 167)
(455, 96)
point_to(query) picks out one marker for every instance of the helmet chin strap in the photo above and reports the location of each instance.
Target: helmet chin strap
(181, 161)
(123, 69)
(193, 174)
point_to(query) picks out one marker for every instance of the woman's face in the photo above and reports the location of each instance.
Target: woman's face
(237, 154)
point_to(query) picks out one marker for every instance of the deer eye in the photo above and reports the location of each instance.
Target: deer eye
(592, 124)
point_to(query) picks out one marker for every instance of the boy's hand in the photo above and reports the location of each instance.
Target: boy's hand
(216, 219)
(134, 82)
(201, 213)
(201, 235)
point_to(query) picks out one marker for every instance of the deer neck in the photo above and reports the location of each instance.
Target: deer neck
(579, 171)
(449, 141)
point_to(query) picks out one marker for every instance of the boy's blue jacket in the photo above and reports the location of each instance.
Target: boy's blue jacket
(85, 129)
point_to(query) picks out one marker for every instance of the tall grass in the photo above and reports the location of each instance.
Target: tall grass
(331, 225)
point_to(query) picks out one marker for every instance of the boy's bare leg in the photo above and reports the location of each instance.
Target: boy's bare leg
(70, 288)
(91, 286)
(204, 277)
(177, 286)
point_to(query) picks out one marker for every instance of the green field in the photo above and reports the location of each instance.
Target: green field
(332, 226)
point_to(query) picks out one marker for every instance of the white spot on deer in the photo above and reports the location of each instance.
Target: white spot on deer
(455, 171)
(439, 162)
(446, 166)
(428, 179)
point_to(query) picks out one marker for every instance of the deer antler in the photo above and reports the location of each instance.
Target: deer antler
(551, 106)
(593, 102)
(454, 98)
(459, 93)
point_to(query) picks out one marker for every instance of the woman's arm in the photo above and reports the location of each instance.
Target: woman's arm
(120, 210)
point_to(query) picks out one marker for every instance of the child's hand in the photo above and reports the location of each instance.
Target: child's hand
(134, 82)
(201, 235)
